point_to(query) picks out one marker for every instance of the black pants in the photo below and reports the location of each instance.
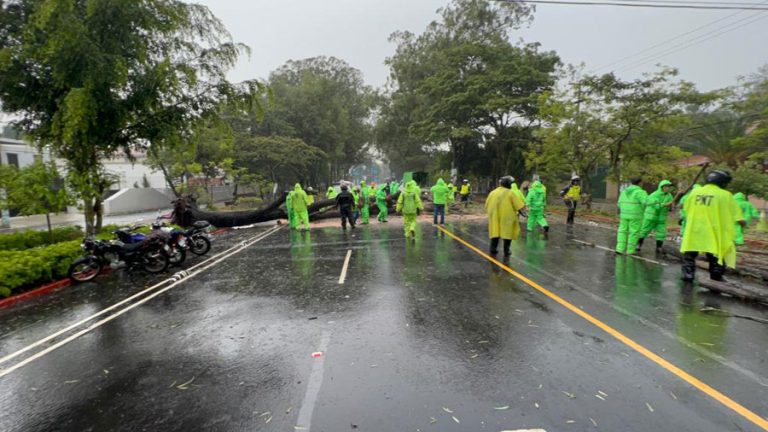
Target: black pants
(346, 215)
(716, 271)
(571, 210)
(495, 246)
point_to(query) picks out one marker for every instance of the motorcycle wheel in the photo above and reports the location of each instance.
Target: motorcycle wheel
(155, 262)
(84, 269)
(177, 255)
(199, 245)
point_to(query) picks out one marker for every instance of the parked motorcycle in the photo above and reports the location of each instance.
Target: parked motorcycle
(176, 246)
(149, 255)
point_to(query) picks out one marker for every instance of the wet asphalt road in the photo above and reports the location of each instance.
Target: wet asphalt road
(421, 336)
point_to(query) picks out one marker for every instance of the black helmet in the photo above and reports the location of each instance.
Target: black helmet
(719, 177)
(507, 181)
(344, 187)
(636, 180)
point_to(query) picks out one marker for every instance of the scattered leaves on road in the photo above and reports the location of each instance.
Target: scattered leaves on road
(501, 408)
(448, 410)
(650, 408)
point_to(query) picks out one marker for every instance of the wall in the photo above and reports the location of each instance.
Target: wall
(133, 200)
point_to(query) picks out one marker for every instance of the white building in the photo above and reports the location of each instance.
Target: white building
(17, 153)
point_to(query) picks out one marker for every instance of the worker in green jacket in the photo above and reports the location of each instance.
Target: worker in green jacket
(381, 202)
(365, 195)
(440, 195)
(330, 193)
(289, 211)
(299, 202)
(631, 207)
(409, 204)
(749, 211)
(712, 215)
(394, 186)
(536, 202)
(656, 210)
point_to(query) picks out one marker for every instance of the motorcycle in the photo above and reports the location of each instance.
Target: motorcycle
(175, 246)
(149, 255)
(199, 237)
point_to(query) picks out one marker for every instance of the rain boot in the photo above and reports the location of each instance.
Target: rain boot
(659, 249)
(494, 246)
(507, 244)
(640, 244)
(689, 266)
(716, 270)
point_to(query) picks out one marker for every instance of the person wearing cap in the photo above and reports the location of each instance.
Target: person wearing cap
(711, 217)
(631, 207)
(655, 219)
(466, 189)
(502, 206)
(345, 201)
(571, 195)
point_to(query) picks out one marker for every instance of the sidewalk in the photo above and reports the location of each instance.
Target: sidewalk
(37, 222)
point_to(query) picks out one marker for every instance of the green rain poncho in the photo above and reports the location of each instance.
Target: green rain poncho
(289, 210)
(365, 194)
(656, 211)
(330, 193)
(409, 203)
(748, 211)
(536, 202)
(440, 192)
(381, 202)
(711, 216)
(631, 206)
(299, 201)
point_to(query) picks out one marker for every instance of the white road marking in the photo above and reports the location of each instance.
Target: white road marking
(313, 385)
(614, 251)
(224, 255)
(344, 269)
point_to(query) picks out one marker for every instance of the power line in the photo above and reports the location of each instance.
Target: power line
(660, 44)
(649, 5)
(684, 45)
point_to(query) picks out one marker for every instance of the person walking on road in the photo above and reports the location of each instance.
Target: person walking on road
(631, 207)
(712, 214)
(409, 205)
(299, 201)
(502, 206)
(466, 189)
(571, 196)
(365, 196)
(289, 210)
(381, 202)
(749, 211)
(655, 218)
(345, 201)
(356, 208)
(440, 193)
(536, 202)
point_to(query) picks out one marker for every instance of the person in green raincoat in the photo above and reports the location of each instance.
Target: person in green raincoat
(440, 192)
(748, 211)
(381, 202)
(331, 193)
(289, 210)
(409, 204)
(356, 196)
(656, 210)
(365, 196)
(310, 195)
(631, 206)
(502, 206)
(536, 202)
(299, 203)
(682, 208)
(393, 187)
(712, 215)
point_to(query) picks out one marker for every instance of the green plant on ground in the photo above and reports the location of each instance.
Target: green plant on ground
(30, 239)
(27, 268)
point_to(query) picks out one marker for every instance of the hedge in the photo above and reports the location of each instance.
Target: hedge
(20, 270)
(31, 239)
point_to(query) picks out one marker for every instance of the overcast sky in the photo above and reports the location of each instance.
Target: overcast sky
(357, 31)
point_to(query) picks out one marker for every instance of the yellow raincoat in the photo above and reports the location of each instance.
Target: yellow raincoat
(502, 206)
(711, 217)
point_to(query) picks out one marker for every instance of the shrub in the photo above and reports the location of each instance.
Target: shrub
(31, 239)
(27, 268)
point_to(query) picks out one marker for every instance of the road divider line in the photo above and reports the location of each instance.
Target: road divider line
(304, 422)
(173, 280)
(344, 268)
(614, 251)
(685, 376)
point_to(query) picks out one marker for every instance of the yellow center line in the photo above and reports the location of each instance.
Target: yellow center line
(685, 376)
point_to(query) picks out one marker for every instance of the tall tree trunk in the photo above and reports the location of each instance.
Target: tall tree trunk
(50, 229)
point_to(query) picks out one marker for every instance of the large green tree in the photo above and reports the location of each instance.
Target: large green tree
(91, 78)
